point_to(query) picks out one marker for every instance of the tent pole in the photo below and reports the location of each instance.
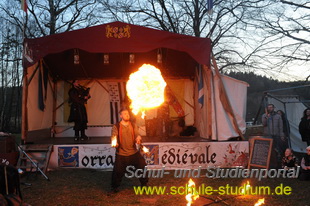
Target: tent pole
(259, 109)
(288, 128)
(24, 107)
(215, 108)
(276, 90)
(209, 102)
(269, 95)
(224, 99)
(54, 108)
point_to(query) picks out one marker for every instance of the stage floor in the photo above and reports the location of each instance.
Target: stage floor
(106, 140)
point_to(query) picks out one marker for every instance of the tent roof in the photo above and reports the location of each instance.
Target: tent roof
(180, 52)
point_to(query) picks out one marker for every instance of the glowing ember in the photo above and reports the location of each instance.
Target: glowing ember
(145, 149)
(114, 141)
(260, 202)
(191, 193)
(145, 88)
(246, 188)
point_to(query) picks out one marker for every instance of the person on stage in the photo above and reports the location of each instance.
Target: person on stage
(78, 96)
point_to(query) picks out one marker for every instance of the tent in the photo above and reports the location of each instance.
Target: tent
(294, 107)
(105, 55)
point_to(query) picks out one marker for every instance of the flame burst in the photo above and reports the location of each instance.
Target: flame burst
(247, 187)
(192, 193)
(260, 202)
(145, 149)
(114, 141)
(146, 89)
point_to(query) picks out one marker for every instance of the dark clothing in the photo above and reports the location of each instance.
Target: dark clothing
(304, 130)
(286, 131)
(286, 126)
(126, 153)
(305, 174)
(273, 128)
(291, 163)
(120, 165)
(306, 160)
(78, 113)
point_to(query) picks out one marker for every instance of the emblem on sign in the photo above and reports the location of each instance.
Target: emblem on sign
(117, 32)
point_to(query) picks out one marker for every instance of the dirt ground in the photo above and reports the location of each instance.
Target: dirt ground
(90, 187)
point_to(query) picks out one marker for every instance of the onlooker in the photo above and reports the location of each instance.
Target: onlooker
(289, 160)
(286, 130)
(305, 166)
(304, 126)
(273, 128)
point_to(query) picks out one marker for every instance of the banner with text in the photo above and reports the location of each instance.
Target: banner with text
(172, 155)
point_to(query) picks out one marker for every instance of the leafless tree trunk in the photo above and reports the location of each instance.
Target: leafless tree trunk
(45, 17)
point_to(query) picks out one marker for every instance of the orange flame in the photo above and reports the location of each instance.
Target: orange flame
(260, 202)
(114, 141)
(145, 149)
(146, 89)
(247, 187)
(192, 194)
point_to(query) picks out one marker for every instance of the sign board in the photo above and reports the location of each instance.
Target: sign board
(172, 155)
(260, 152)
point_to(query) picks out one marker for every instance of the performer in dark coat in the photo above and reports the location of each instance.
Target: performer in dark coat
(304, 126)
(78, 96)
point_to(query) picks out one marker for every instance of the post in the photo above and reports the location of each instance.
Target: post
(24, 106)
(288, 128)
(54, 107)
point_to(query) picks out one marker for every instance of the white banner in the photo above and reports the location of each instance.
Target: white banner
(172, 155)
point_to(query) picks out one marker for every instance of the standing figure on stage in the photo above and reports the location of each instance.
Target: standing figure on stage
(78, 96)
(126, 135)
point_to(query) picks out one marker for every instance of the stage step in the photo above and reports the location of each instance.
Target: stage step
(37, 153)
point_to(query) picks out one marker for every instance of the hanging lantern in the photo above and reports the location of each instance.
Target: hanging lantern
(76, 57)
(159, 56)
(106, 59)
(131, 58)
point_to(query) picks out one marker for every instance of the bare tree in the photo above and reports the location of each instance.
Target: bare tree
(229, 26)
(10, 83)
(286, 24)
(45, 17)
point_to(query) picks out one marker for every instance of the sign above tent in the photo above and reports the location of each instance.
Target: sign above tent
(180, 52)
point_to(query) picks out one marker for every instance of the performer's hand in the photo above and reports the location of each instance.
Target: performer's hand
(138, 139)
